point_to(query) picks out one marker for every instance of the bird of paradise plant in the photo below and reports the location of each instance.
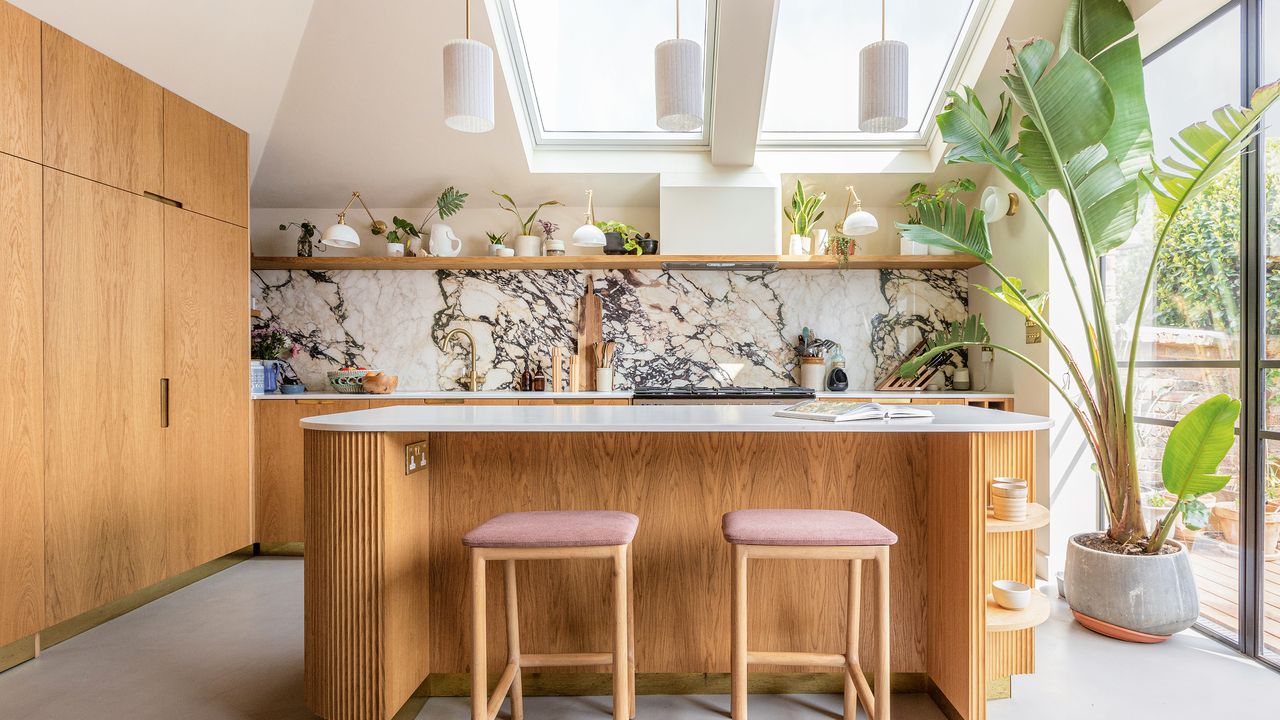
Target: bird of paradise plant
(1085, 132)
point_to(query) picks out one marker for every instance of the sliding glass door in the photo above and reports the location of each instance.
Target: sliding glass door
(1267, 171)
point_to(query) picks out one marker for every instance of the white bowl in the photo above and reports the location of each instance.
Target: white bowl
(1009, 481)
(1008, 491)
(1011, 595)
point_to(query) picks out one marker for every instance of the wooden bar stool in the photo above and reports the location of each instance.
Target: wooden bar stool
(814, 535)
(551, 535)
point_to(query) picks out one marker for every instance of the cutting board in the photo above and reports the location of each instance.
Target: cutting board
(589, 312)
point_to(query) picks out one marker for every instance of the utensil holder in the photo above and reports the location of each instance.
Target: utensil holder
(604, 379)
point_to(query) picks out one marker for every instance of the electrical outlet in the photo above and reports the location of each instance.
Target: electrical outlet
(415, 457)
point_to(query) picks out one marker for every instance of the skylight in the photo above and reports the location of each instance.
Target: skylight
(812, 95)
(587, 71)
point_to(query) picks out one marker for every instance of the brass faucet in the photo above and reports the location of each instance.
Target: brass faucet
(470, 381)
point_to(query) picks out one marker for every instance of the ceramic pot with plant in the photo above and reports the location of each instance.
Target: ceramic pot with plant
(918, 195)
(497, 243)
(1130, 581)
(550, 244)
(616, 235)
(803, 215)
(400, 238)
(526, 243)
(306, 235)
(640, 245)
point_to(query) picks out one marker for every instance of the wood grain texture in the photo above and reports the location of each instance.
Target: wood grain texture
(22, 403)
(606, 262)
(277, 464)
(587, 335)
(206, 280)
(105, 490)
(20, 131)
(206, 162)
(365, 603)
(102, 121)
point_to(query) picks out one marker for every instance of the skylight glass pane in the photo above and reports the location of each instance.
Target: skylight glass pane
(591, 61)
(813, 78)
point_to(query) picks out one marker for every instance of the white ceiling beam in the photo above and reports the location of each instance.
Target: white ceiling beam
(744, 44)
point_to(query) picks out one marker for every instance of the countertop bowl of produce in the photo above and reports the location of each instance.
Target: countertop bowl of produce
(348, 379)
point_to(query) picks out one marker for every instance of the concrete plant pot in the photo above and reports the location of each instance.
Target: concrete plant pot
(1139, 598)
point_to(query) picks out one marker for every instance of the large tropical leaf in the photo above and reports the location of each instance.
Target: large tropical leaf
(1207, 149)
(962, 333)
(974, 139)
(1197, 445)
(946, 224)
(1011, 293)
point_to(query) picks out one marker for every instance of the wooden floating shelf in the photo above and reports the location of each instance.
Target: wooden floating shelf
(1002, 620)
(615, 262)
(1037, 517)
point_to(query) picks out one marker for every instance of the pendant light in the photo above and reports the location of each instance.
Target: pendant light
(882, 87)
(678, 82)
(589, 235)
(468, 83)
(859, 222)
(343, 235)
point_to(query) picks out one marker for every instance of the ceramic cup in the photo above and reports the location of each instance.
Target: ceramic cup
(1011, 595)
(604, 379)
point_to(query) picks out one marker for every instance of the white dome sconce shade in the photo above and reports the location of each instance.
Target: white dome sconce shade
(677, 68)
(343, 235)
(468, 83)
(859, 222)
(997, 205)
(882, 84)
(589, 235)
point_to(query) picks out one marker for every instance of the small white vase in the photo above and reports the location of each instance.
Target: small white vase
(395, 249)
(604, 379)
(818, 244)
(908, 247)
(797, 245)
(528, 246)
(496, 248)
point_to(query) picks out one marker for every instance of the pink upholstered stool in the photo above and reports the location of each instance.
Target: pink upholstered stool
(551, 535)
(814, 535)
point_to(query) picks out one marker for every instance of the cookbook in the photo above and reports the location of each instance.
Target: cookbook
(843, 411)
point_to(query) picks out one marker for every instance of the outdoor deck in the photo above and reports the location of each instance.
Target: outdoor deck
(1217, 577)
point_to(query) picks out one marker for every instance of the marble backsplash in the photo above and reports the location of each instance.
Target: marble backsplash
(672, 328)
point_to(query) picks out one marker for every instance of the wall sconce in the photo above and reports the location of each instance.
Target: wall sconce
(342, 235)
(859, 222)
(589, 235)
(997, 204)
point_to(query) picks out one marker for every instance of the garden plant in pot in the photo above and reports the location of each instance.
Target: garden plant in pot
(919, 194)
(409, 236)
(803, 215)
(306, 234)
(616, 236)
(526, 243)
(1085, 133)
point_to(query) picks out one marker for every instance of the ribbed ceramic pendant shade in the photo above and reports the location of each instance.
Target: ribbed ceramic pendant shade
(678, 74)
(468, 86)
(882, 87)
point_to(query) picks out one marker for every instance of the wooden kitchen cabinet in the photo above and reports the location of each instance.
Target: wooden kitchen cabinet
(570, 400)
(19, 83)
(206, 282)
(102, 121)
(22, 402)
(105, 485)
(206, 162)
(277, 465)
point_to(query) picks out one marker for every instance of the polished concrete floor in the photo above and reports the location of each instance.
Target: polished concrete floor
(230, 647)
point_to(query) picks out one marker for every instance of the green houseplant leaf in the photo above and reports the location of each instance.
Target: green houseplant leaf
(947, 224)
(1197, 445)
(974, 139)
(962, 333)
(1011, 293)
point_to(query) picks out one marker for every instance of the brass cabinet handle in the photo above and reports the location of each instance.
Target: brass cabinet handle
(315, 402)
(164, 402)
(573, 401)
(443, 401)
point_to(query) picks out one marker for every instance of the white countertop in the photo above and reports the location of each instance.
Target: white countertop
(653, 418)
(517, 395)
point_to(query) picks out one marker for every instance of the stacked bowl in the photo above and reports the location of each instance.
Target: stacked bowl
(1009, 499)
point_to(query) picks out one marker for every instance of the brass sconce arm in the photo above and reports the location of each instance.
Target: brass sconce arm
(377, 227)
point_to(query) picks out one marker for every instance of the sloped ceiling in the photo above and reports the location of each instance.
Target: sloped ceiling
(232, 57)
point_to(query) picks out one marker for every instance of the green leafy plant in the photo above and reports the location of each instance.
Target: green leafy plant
(495, 239)
(526, 223)
(613, 226)
(804, 212)
(306, 233)
(920, 192)
(1196, 447)
(404, 230)
(842, 245)
(448, 203)
(1085, 132)
(632, 243)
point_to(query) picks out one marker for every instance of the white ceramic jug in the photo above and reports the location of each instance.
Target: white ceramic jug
(443, 242)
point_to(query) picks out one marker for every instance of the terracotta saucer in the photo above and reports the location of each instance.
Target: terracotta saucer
(1115, 631)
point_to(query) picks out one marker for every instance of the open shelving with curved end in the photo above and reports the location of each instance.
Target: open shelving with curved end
(623, 262)
(1037, 517)
(1004, 620)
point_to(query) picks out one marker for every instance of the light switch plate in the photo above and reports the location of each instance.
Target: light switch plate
(415, 457)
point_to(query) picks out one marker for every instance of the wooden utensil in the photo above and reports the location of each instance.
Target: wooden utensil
(557, 370)
(589, 312)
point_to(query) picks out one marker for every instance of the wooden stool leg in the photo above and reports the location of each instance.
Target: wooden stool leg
(479, 663)
(852, 630)
(620, 673)
(739, 670)
(631, 634)
(513, 642)
(882, 635)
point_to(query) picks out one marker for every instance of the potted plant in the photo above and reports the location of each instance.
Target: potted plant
(306, 231)
(640, 244)
(1085, 132)
(920, 193)
(842, 246)
(496, 242)
(267, 343)
(616, 235)
(409, 236)
(551, 245)
(527, 244)
(1226, 516)
(399, 238)
(804, 215)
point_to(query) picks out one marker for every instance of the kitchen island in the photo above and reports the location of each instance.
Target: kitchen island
(386, 574)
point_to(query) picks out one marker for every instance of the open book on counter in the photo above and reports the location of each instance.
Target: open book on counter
(843, 411)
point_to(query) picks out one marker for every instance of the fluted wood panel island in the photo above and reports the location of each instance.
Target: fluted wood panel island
(386, 574)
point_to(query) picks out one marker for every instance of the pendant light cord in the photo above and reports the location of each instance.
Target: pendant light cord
(883, 14)
(678, 19)
(468, 35)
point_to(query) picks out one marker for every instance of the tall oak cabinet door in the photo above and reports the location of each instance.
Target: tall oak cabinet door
(102, 120)
(105, 529)
(21, 403)
(206, 162)
(19, 83)
(206, 319)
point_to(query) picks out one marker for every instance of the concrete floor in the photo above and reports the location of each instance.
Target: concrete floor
(230, 646)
